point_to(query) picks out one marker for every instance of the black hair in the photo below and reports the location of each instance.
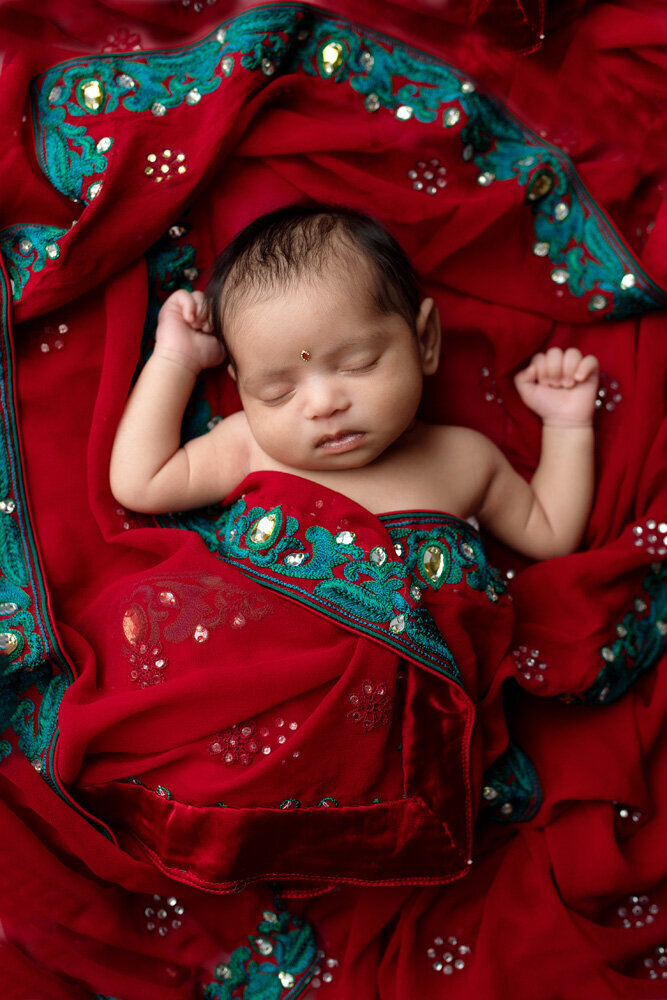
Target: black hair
(280, 246)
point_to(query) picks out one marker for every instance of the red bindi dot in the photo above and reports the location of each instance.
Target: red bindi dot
(305, 355)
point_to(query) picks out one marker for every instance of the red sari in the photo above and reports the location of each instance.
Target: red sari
(287, 745)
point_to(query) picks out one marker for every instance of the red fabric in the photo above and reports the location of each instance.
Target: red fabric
(538, 908)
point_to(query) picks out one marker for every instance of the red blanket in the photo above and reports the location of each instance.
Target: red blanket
(285, 745)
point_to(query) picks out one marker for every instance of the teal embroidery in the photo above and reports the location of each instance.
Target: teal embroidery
(460, 548)
(328, 572)
(511, 789)
(641, 640)
(27, 249)
(5, 749)
(154, 82)
(573, 235)
(278, 965)
(35, 726)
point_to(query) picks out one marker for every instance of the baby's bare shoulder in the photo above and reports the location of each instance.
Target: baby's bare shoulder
(458, 443)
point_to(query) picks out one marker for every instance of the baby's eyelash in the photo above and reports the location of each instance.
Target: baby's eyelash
(362, 368)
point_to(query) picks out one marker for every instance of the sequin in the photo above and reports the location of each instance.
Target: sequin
(541, 249)
(167, 599)
(415, 592)
(367, 60)
(125, 81)
(193, 96)
(333, 55)
(25, 246)
(94, 190)
(608, 654)
(404, 112)
(397, 624)
(92, 94)
(467, 550)
(158, 109)
(507, 809)
(200, 634)
(8, 608)
(372, 102)
(467, 152)
(489, 794)
(286, 979)
(451, 117)
(268, 68)
(345, 537)
(486, 178)
(104, 144)
(598, 302)
(561, 211)
(55, 93)
(263, 529)
(378, 555)
(398, 549)
(7, 506)
(8, 643)
(560, 275)
(264, 947)
(295, 558)
(38, 765)
(227, 65)
(220, 36)
(628, 281)
(467, 86)
(175, 232)
(433, 562)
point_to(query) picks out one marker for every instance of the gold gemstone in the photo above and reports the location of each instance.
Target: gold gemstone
(433, 562)
(333, 55)
(540, 185)
(134, 624)
(8, 643)
(263, 529)
(92, 94)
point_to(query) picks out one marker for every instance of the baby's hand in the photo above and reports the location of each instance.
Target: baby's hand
(560, 386)
(184, 332)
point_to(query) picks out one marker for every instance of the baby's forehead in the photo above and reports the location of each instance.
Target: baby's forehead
(348, 273)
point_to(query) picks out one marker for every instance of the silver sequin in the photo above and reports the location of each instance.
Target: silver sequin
(628, 281)
(541, 249)
(158, 109)
(451, 117)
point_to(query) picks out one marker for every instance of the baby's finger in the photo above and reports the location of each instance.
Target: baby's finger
(554, 364)
(539, 363)
(571, 360)
(586, 368)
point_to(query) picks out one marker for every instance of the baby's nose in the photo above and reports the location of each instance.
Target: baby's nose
(324, 397)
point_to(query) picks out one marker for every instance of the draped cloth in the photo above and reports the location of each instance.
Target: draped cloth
(283, 746)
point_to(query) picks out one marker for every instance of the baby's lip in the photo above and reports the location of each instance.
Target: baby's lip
(341, 441)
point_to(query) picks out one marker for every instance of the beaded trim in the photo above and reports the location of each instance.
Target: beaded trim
(583, 250)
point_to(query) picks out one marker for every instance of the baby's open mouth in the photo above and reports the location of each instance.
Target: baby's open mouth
(343, 441)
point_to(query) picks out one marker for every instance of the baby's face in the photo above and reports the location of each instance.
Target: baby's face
(326, 380)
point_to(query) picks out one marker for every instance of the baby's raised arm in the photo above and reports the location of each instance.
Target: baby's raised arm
(547, 517)
(149, 471)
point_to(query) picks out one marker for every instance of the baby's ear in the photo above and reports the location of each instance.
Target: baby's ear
(429, 335)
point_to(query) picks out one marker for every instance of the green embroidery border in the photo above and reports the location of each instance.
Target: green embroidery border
(362, 595)
(41, 664)
(588, 254)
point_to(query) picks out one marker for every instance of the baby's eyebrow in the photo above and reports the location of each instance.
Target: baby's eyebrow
(270, 376)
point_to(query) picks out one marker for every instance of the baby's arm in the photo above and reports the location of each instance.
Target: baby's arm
(149, 471)
(547, 517)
